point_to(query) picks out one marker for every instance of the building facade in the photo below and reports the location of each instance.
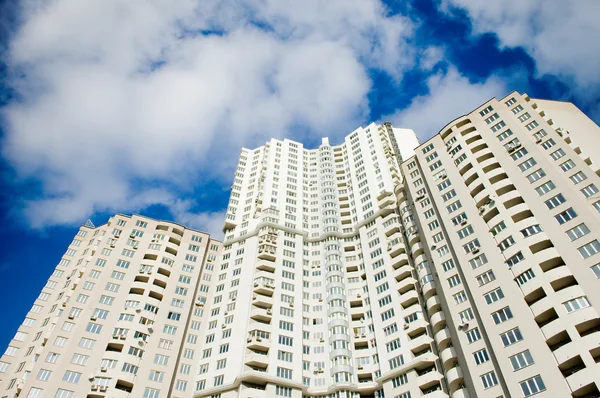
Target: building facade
(381, 267)
(120, 316)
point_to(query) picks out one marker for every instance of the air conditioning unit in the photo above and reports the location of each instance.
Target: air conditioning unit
(132, 236)
(322, 340)
(481, 210)
(356, 335)
(138, 310)
(93, 318)
(463, 221)
(64, 304)
(269, 311)
(363, 335)
(358, 295)
(103, 369)
(538, 140)
(142, 271)
(115, 336)
(71, 316)
(420, 196)
(103, 388)
(150, 329)
(94, 387)
(360, 367)
(406, 326)
(258, 338)
(511, 149)
(249, 339)
(292, 305)
(122, 337)
(475, 251)
(320, 300)
(223, 326)
(112, 245)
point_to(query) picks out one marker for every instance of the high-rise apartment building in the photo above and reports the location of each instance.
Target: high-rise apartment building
(460, 267)
(120, 316)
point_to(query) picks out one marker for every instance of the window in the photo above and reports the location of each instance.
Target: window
(151, 393)
(536, 175)
(63, 394)
(515, 259)
(545, 188)
(532, 386)
(72, 377)
(466, 315)
(460, 297)
(532, 230)
(489, 379)
(478, 261)
(485, 278)
(481, 356)
(578, 231)
(473, 335)
(527, 164)
(33, 392)
(283, 391)
(284, 373)
(576, 304)
(566, 216)
(590, 249)
(555, 201)
(506, 243)
(577, 177)
(494, 296)
(511, 337)
(502, 315)
(44, 375)
(521, 360)
(454, 280)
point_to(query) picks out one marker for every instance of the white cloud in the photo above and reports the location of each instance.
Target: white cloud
(560, 35)
(450, 96)
(117, 95)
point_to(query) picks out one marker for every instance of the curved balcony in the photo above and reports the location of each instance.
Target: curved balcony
(417, 249)
(455, 378)
(395, 247)
(428, 289)
(461, 393)
(566, 353)
(443, 338)
(558, 273)
(552, 329)
(438, 321)
(433, 305)
(541, 306)
(448, 357)
(578, 381)
(416, 327)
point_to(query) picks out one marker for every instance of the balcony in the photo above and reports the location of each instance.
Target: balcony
(399, 261)
(264, 265)
(433, 305)
(448, 357)
(455, 378)
(262, 301)
(420, 343)
(395, 246)
(403, 272)
(264, 286)
(461, 393)
(406, 284)
(443, 338)
(428, 290)
(438, 321)
(257, 359)
(409, 298)
(267, 252)
(429, 379)
(261, 314)
(259, 340)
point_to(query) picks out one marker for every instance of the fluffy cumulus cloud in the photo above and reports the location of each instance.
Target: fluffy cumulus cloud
(561, 36)
(122, 104)
(449, 96)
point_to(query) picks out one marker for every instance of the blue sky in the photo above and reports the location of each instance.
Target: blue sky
(142, 107)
